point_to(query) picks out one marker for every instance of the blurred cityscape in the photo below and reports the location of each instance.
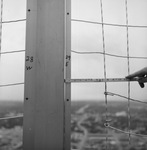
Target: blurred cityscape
(88, 131)
(11, 130)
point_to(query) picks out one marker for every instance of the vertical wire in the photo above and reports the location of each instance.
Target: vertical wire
(1, 19)
(128, 61)
(105, 74)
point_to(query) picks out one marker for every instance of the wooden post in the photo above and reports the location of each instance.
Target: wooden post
(67, 75)
(44, 75)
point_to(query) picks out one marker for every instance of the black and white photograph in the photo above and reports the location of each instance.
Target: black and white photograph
(73, 75)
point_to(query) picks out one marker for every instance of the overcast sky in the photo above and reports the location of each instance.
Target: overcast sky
(88, 37)
(85, 37)
(13, 39)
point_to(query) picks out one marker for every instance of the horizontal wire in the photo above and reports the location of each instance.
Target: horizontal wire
(108, 24)
(19, 20)
(107, 125)
(12, 52)
(77, 52)
(14, 117)
(114, 94)
(13, 84)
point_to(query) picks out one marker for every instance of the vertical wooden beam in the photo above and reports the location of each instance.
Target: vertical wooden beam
(44, 75)
(67, 75)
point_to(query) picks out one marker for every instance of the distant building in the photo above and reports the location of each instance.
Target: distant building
(122, 113)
